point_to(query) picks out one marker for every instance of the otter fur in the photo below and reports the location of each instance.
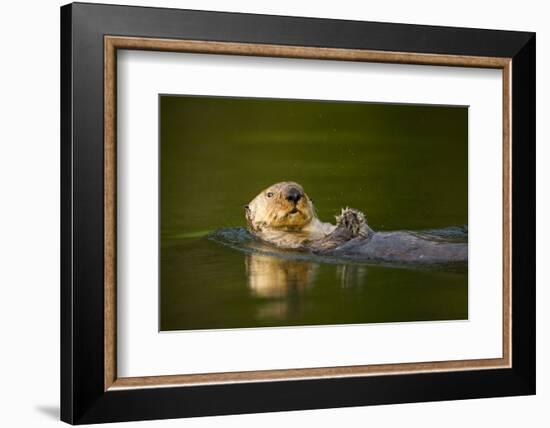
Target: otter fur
(284, 215)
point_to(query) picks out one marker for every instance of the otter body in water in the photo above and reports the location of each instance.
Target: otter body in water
(284, 215)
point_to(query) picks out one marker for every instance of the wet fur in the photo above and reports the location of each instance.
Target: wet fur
(270, 217)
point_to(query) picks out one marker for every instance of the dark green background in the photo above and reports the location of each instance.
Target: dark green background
(405, 166)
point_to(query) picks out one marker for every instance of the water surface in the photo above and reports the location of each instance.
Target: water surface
(405, 166)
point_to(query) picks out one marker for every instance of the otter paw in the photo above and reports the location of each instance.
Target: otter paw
(354, 221)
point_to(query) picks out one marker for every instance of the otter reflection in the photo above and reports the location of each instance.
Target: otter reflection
(282, 283)
(351, 275)
(270, 276)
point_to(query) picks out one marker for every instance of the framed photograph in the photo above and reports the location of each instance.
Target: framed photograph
(265, 213)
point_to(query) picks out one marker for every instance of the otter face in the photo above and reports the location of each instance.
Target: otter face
(282, 206)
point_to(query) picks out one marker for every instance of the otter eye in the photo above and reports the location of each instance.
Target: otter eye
(269, 194)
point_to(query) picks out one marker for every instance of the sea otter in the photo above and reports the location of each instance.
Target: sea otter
(284, 215)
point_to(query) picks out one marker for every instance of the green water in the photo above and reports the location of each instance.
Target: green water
(405, 166)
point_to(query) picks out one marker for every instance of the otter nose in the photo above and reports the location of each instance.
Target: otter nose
(293, 195)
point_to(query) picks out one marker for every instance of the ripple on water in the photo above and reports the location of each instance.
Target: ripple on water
(240, 239)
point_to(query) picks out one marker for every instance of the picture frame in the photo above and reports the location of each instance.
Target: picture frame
(91, 391)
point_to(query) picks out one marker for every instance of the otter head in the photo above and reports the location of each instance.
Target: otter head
(283, 206)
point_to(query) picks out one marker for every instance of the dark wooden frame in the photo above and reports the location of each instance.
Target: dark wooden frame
(90, 34)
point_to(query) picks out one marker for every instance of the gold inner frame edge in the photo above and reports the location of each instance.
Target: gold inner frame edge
(113, 43)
